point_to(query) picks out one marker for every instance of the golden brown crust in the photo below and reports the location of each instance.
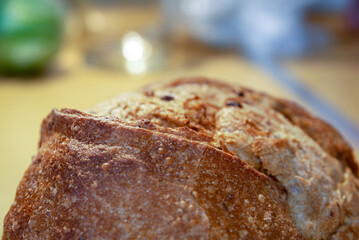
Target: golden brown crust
(98, 178)
(324, 134)
(201, 159)
(308, 164)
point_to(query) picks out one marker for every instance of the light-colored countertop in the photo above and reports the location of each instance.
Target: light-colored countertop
(23, 104)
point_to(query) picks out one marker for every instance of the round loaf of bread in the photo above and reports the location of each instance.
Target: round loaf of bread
(188, 159)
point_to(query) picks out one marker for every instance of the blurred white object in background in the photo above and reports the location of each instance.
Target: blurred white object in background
(136, 52)
(260, 28)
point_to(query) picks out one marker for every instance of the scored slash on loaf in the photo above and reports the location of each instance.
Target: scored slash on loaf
(189, 159)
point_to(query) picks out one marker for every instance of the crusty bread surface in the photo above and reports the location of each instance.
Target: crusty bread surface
(189, 159)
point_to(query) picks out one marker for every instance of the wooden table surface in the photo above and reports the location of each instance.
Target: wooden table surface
(23, 104)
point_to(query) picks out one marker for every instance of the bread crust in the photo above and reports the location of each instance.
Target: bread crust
(98, 178)
(324, 134)
(219, 161)
(307, 157)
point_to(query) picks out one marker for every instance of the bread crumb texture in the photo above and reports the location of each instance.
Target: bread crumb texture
(189, 159)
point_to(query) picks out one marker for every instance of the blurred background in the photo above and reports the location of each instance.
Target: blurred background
(76, 53)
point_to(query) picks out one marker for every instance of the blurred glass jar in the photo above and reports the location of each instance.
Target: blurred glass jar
(122, 34)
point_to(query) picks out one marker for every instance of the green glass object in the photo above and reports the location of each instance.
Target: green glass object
(30, 35)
